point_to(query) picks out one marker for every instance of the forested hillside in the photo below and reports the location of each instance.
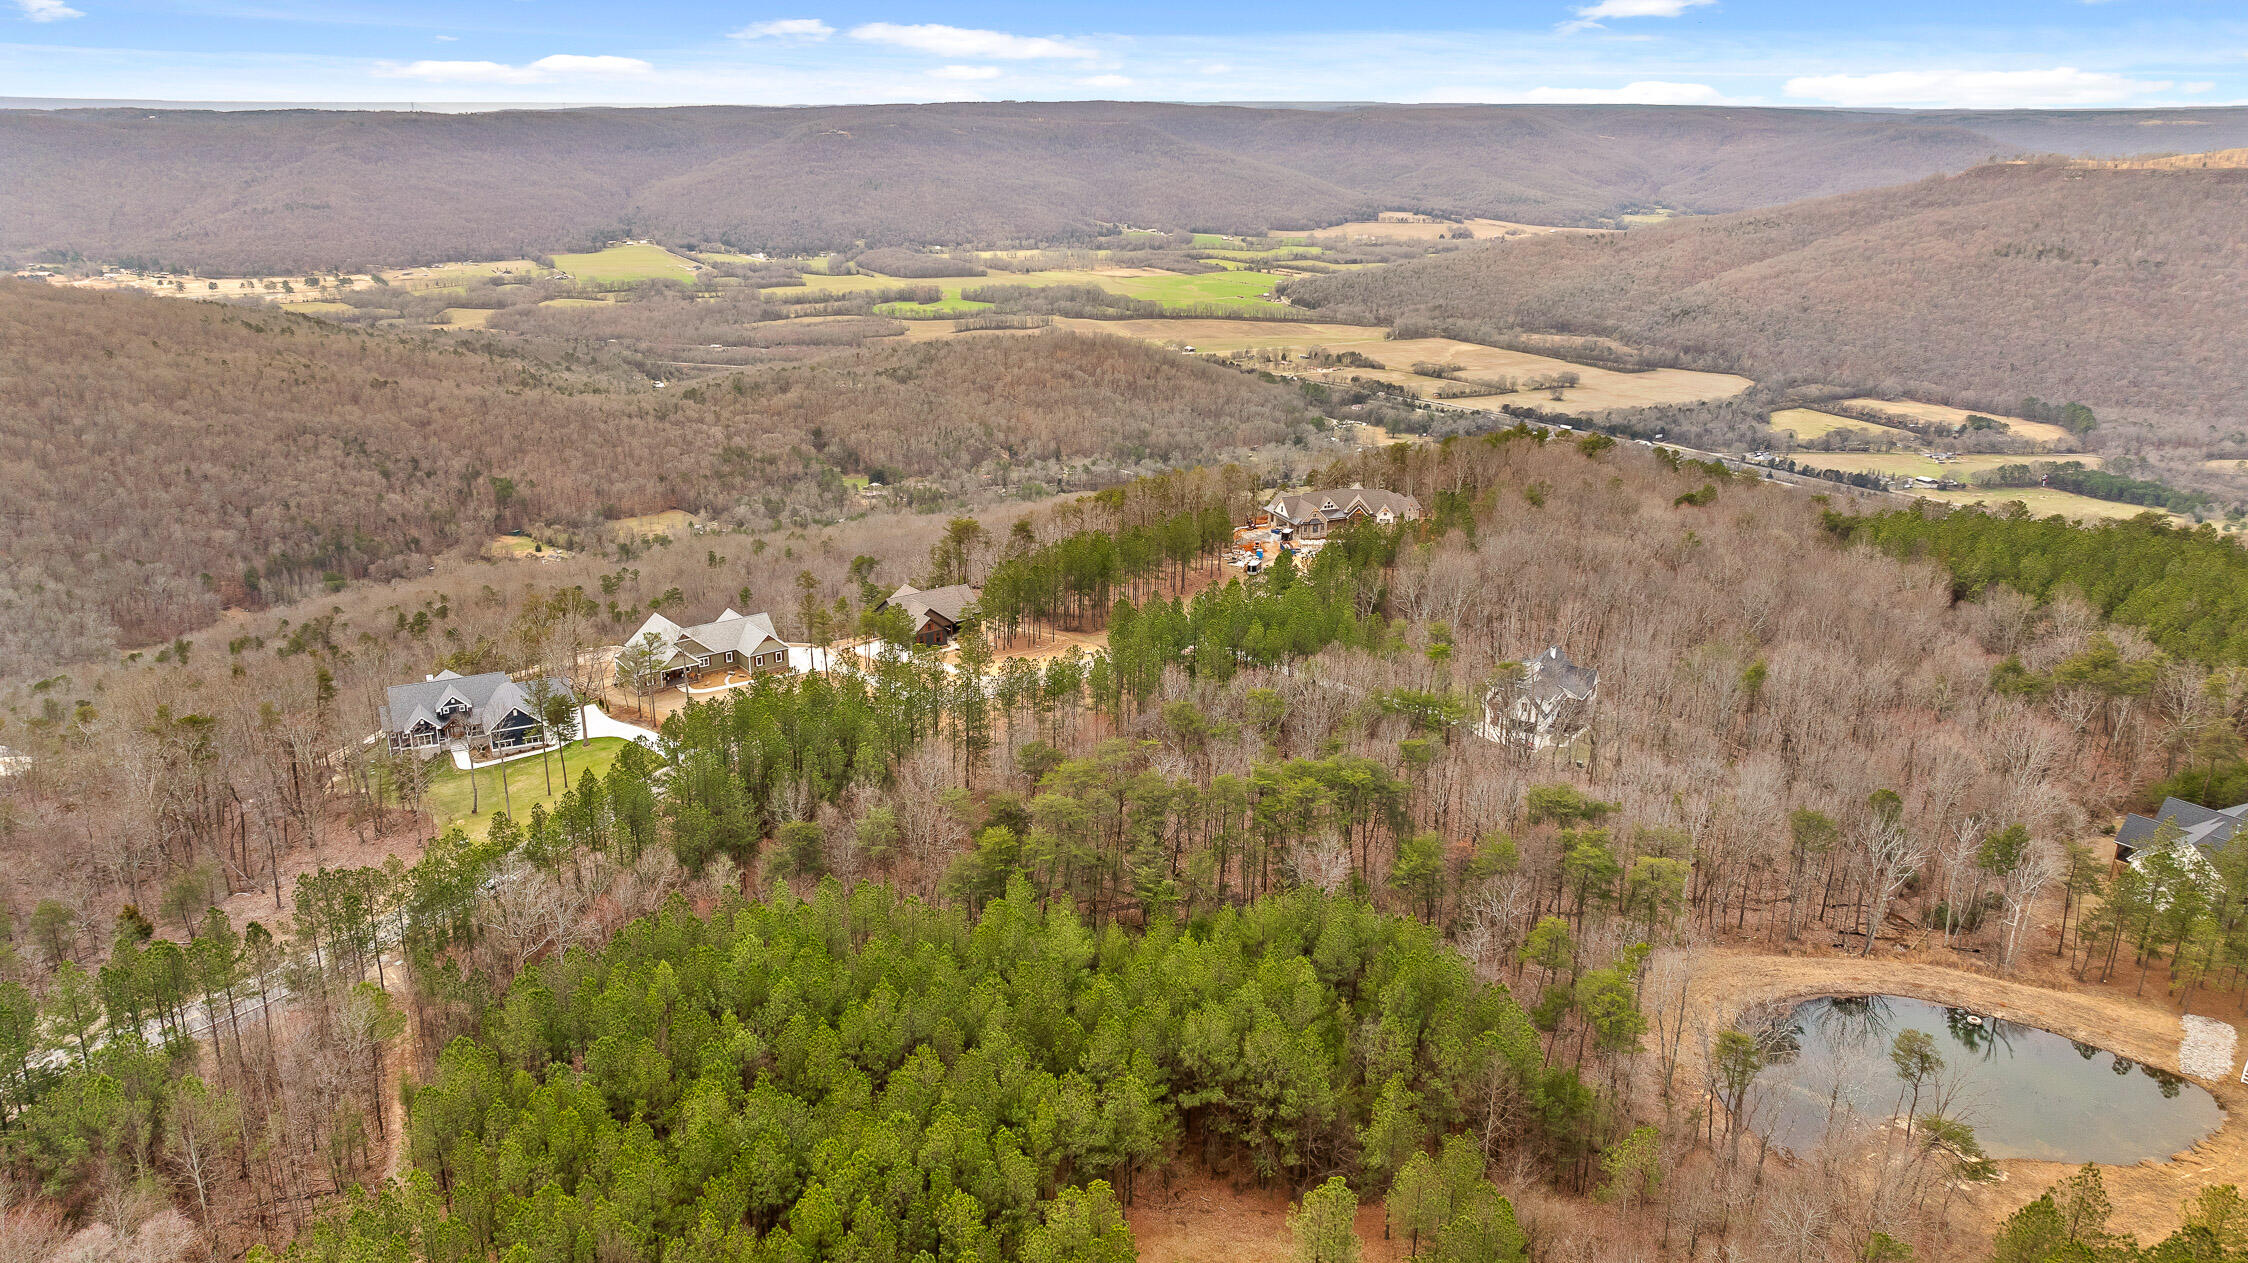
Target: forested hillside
(2125, 289)
(289, 190)
(166, 460)
(973, 952)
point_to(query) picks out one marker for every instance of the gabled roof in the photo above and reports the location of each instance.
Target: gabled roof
(948, 603)
(487, 698)
(1550, 678)
(2208, 828)
(1335, 506)
(730, 632)
(736, 633)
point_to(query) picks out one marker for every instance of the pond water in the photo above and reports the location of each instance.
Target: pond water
(2028, 1093)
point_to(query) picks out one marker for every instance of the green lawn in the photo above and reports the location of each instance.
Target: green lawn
(627, 263)
(950, 306)
(450, 794)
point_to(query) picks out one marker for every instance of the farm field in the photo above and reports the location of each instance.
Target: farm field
(1482, 229)
(443, 274)
(1914, 465)
(1810, 423)
(1597, 388)
(2036, 431)
(518, 547)
(948, 306)
(672, 522)
(183, 285)
(1236, 290)
(574, 302)
(465, 317)
(636, 262)
(2042, 502)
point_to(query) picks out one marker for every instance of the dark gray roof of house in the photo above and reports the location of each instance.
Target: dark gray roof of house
(1552, 678)
(948, 602)
(488, 697)
(2209, 828)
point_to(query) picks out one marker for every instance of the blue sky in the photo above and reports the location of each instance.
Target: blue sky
(1900, 53)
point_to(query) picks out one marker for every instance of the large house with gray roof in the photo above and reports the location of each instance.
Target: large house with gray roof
(2205, 829)
(709, 653)
(1549, 703)
(936, 613)
(1313, 514)
(489, 711)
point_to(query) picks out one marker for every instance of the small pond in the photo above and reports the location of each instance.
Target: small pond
(2028, 1093)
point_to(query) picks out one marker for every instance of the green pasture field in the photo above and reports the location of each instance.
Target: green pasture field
(946, 308)
(627, 263)
(1236, 290)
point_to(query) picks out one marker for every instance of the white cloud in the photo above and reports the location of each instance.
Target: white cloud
(544, 70)
(1217, 68)
(1973, 89)
(959, 41)
(47, 10)
(444, 39)
(2196, 87)
(965, 72)
(1107, 81)
(1639, 8)
(1591, 15)
(809, 29)
(1644, 92)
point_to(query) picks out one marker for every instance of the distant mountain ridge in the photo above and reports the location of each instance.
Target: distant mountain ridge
(281, 190)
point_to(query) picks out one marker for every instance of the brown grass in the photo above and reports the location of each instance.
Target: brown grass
(1391, 230)
(2036, 431)
(1191, 1216)
(2212, 161)
(1598, 388)
(1810, 423)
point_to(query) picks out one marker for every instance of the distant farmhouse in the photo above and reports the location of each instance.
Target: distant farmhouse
(2203, 829)
(936, 614)
(1312, 515)
(489, 711)
(1549, 704)
(704, 654)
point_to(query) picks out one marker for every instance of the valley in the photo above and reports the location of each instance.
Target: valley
(1311, 684)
